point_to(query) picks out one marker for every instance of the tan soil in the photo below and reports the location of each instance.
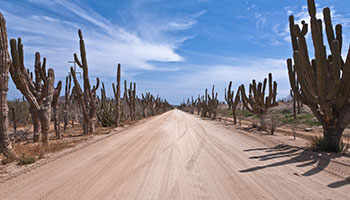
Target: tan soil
(180, 156)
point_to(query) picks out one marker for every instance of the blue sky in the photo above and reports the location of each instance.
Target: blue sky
(172, 48)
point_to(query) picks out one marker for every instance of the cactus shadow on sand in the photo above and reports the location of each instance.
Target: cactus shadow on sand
(301, 157)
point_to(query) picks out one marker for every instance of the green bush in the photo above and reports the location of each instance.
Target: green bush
(318, 144)
(25, 160)
(21, 111)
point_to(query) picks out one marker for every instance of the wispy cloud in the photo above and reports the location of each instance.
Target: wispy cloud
(106, 43)
(241, 71)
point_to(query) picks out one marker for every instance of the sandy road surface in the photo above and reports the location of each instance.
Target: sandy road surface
(179, 156)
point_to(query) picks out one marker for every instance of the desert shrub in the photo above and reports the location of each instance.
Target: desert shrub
(25, 160)
(106, 115)
(272, 121)
(21, 111)
(317, 143)
(303, 118)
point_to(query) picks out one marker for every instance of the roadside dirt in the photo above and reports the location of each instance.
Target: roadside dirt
(180, 156)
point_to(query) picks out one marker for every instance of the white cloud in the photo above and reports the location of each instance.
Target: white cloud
(107, 44)
(241, 72)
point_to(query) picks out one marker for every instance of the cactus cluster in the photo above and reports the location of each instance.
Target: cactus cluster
(321, 83)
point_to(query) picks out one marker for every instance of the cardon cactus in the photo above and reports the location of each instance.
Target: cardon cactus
(39, 94)
(232, 102)
(323, 82)
(87, 99)
(116, 91)
(5, 145)
(213, 103)
(67, 101)
(55, 104)
(130, 98)
(257, 103)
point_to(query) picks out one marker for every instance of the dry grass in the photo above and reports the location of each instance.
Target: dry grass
(29, 152)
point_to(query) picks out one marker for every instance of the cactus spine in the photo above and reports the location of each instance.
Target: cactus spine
(323, 81)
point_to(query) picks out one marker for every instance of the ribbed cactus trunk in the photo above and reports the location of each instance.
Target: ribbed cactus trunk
(55, 105)
(67, 102)
(38, 95)
(36, 124)
(87, 98)
(134, 102)
(117, 97)
(5, 145)
(324, 82)
(45, 111)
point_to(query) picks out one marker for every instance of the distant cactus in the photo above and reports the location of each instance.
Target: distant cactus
(130, 98)
(213, 103)
(232, 102)
(204, 104)
(55, 104)
(257, 103)
(87, 99)
(116, 91)
(321, 83)
(67, 101)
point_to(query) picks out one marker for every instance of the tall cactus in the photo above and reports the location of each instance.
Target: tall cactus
(257, 103)
(67, 101)
(5, 145)
(323, 81)
(204, 104)
(213, 103)
(232, 102)
(55, 104)
(130, 98)
(88, 98)
(39, 94)
(116, 91)
(198, 104)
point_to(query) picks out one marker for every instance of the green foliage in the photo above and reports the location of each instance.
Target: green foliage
(25, 160)
(21, 111)
(318, 144)
(106, 114)
(302, 118)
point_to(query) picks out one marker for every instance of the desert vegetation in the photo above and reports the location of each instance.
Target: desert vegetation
(41, 104)
(322, 84)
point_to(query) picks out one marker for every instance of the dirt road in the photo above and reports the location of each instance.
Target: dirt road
(180, 156)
